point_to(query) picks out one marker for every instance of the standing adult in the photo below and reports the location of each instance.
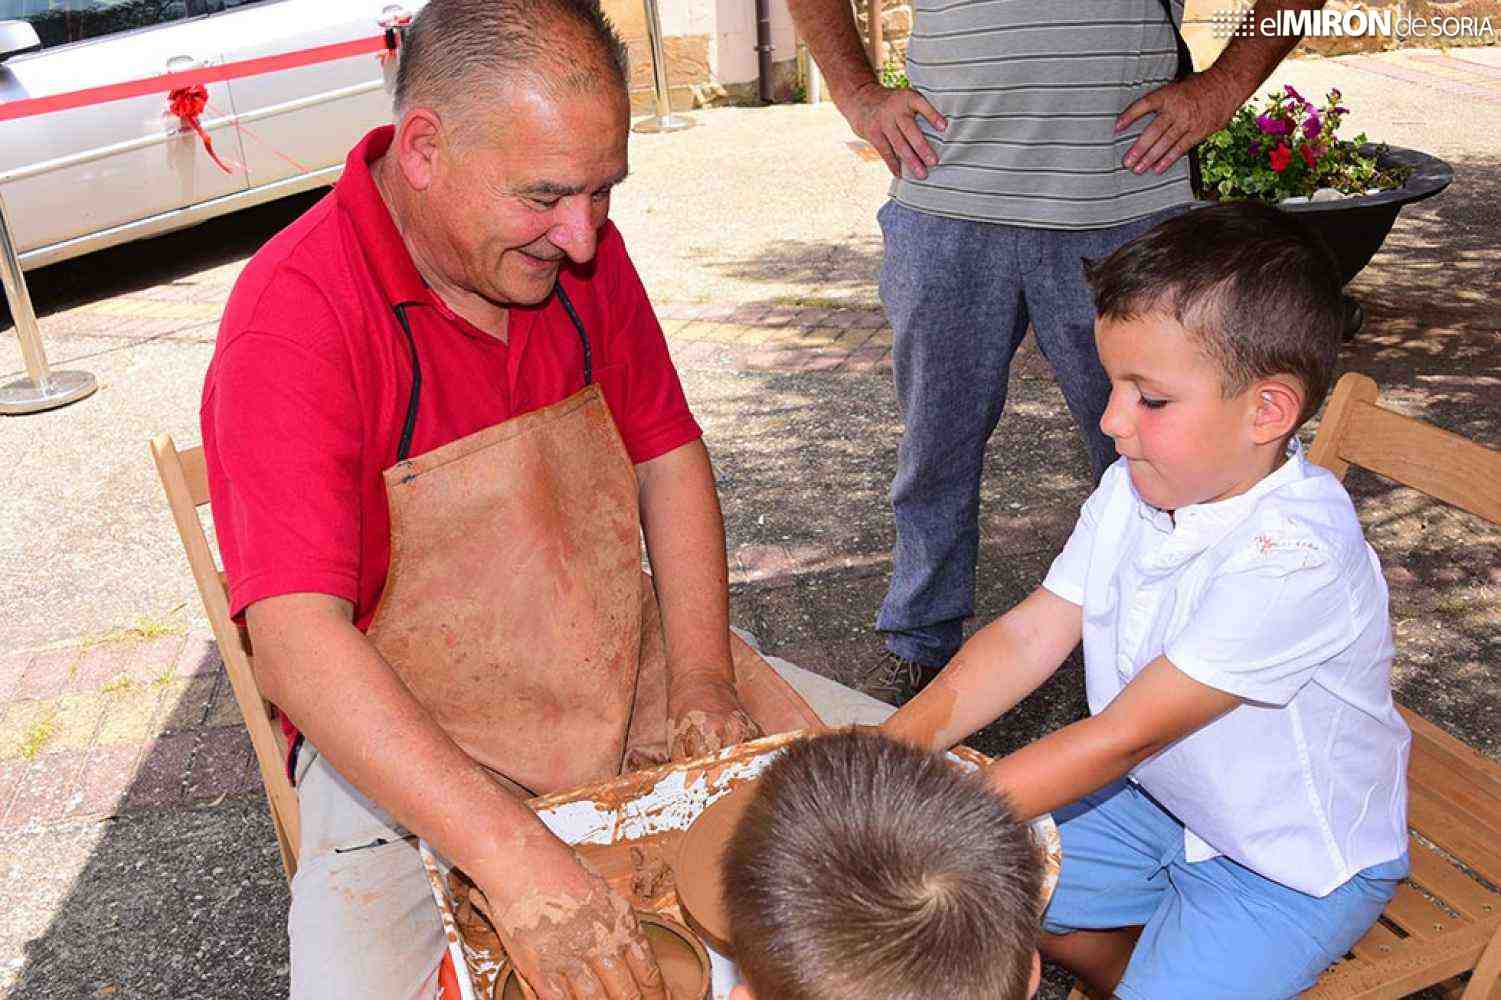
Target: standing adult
(1034, 134)
(439, 418)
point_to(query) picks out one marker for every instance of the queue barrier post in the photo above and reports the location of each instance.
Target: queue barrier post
(42, 388)
(664, 120)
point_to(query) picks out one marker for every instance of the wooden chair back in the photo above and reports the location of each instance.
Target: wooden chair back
(1454, 794)
(184, 478)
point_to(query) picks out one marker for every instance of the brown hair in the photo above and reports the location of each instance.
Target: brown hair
(865, 869)
(463, 50)
(1257, 289)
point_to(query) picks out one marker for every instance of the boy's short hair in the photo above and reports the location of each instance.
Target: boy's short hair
(865, 869)
(1258, 290)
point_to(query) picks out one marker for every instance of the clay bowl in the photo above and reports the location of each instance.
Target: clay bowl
(684, 962)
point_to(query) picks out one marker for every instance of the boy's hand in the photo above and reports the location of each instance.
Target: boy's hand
(1160, 706)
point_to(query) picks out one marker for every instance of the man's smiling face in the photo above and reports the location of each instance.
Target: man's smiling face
(527, 187)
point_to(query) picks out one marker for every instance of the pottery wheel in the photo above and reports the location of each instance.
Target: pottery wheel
(697, 867)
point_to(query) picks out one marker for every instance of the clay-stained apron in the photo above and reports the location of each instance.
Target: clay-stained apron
(516, 610)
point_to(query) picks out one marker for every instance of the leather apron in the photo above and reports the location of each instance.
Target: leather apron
(515, 607)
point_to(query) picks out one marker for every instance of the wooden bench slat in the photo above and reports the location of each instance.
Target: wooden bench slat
(1469, 800)
(1378, 942)
(1412, 965)
(1436, 820)
(1437, 462)
(1418, 915)
(1474, 766)
(1434, 872)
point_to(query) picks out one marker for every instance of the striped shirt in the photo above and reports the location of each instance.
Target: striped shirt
(1031, 90)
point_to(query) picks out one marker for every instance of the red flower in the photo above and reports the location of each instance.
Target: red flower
(1281, 157)
(1308, 156)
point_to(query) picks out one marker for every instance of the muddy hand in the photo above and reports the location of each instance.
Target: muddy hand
(571, 937)
(704, 716)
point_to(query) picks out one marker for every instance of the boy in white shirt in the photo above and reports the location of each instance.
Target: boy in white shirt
(1233, 811)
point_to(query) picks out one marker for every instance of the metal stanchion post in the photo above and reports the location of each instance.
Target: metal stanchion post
(43, 388)
(664, 120)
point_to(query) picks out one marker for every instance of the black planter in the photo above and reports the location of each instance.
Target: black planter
(1355, 227)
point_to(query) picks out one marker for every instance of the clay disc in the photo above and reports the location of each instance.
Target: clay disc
(697, 869)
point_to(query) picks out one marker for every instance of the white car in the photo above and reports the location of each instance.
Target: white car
(104, 174)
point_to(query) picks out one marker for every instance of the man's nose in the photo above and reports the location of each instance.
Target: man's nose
(576, 232)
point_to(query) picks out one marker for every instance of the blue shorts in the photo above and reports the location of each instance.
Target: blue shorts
(1212, 930)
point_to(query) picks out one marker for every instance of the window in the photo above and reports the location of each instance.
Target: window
(59, 22)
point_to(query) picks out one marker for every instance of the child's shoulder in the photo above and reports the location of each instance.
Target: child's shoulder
(1305, 519)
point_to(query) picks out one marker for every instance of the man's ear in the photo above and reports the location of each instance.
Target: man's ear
(741, 992)
(1036, 979)
(419, 138)
(1277, 403)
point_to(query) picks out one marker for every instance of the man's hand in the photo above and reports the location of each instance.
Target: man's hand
(886, 117)
(705, 715)
(1187, 110)
(569, 935)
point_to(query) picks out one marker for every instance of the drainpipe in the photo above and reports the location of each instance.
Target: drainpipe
(876, 32)
(763, 49)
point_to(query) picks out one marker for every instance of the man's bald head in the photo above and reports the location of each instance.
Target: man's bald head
(459, 52)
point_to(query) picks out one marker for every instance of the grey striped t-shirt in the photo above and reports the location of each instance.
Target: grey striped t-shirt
(1031, 90)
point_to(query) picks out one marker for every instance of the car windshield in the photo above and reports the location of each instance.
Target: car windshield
(59, 22)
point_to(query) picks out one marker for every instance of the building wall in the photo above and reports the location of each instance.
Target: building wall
(710, 49)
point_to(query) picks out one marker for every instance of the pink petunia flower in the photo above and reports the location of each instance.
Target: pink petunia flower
(1272, 126)
(1313, 125)
(1292, 93)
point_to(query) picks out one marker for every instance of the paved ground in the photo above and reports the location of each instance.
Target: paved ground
(136, 857)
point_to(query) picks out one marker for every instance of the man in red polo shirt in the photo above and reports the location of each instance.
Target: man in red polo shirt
(440, 415)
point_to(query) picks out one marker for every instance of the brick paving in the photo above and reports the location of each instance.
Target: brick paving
(101, 728)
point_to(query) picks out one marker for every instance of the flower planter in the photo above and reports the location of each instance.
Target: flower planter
(1355, 227)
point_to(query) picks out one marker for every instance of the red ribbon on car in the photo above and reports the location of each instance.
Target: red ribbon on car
(187, 103)
(171, 82)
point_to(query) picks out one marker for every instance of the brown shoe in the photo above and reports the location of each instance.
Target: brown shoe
(897, 681)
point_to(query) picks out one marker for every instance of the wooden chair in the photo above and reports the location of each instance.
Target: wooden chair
(1442, 922)
(185, 481)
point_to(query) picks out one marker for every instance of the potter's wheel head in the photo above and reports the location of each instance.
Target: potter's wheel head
(697, 869)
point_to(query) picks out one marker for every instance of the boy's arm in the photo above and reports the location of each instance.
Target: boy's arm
(1161, 705)
(998, 667)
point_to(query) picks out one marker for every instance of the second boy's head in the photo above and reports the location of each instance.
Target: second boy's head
(1220, 330)
(865, 869)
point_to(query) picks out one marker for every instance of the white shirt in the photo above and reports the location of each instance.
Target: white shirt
(1275, 597)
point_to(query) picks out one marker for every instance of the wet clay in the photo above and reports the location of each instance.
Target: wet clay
(685, 971)
(697, 870)
(639, 870)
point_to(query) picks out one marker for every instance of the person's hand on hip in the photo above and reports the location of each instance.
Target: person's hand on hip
(1186, 111)
(886, 117)
(704, 714)
(570, 936)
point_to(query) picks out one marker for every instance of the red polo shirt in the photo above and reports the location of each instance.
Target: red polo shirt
(308, 388)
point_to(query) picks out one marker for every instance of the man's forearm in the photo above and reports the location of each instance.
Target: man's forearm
(684, 531)
(323, 672)
(1249, 59)
(829, 28)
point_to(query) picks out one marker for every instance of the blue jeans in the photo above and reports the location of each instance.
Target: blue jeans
(959, 296)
